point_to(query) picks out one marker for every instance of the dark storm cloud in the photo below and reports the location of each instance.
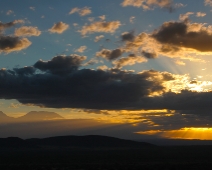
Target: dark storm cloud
(149, 55)
(109, 54)
(89, 89)
(60, 64)
(186, 100)
(85, 88)
(184, 34)
(63, 84)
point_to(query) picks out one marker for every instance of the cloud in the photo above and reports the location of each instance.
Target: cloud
(180, 62)
(132, 19)
(60, 83)
(15, 105)
(95, 111)
(85, 11)
(74, 10)
(92, 61)
(10, 44)
(137, 42)
(100, 26)
(82, 12)
(149, 55)
(32, 8)
(103, 67)
(208, 2)
(59, 28)
(102, 17)
(60, 64)
(4, 26)
(130, 60)
(148, 4)
(9, 12)
(98, 38)
(91, 19)
(185, 46)
(25, 70)
(81, 49)
(189, 100)
(27, 31)
(185, 35)
(185, 16)
(200, 14)
(109, 54)
(127, 36)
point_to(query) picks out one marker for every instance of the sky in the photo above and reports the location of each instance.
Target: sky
(142, 64)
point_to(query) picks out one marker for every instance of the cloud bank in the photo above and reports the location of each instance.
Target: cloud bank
(60, 83)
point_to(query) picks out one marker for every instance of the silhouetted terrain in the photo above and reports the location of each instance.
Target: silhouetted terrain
(4, 118)
(104, 158)
(177, 142)
(88, 152)
(33, 116)
(39, 116)
(90, 141)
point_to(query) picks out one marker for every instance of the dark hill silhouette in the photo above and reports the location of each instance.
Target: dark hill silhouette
(90, 141)
(12, 142)
(87, 141)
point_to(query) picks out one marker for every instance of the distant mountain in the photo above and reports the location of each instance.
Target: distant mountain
(4, 118)
(33, 116)
(39, 116)
(90, 141)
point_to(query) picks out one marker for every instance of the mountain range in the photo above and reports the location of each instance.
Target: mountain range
(33, 116)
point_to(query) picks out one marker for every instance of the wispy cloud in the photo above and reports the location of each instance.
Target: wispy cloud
(81, 49)
(82, 12)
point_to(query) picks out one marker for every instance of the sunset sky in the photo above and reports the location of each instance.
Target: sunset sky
(142, 64)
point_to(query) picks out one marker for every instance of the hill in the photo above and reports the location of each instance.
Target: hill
(90, 141)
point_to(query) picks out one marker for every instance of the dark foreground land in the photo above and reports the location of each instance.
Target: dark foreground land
(148, 157)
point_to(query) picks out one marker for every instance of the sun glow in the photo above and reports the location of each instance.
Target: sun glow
(199, 86)
(200, 133)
